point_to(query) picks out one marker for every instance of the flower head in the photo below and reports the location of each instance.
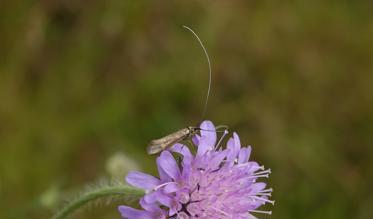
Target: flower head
(214, 182)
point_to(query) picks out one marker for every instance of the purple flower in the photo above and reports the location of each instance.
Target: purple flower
(214, 183)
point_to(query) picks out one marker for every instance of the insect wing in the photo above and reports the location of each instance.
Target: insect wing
(156, 146)
(161, 144)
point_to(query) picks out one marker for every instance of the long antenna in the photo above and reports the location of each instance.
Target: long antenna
(208, 60)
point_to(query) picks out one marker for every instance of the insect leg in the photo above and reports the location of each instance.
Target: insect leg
(223, 127)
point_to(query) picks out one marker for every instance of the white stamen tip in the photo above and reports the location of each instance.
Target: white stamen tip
(262, 212)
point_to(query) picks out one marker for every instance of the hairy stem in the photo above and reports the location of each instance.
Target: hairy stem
(128, 192)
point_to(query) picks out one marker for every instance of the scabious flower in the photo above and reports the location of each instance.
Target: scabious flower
(213, 183)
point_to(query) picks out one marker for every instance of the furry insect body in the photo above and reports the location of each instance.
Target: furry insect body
(161, 144)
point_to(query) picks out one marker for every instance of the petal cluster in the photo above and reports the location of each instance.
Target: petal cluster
(215, 182)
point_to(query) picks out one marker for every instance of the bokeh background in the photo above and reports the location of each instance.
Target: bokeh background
(85, 85)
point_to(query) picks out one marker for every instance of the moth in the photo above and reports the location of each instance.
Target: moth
(158, 145)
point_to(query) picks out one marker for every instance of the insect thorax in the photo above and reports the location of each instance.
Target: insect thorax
(192, 130)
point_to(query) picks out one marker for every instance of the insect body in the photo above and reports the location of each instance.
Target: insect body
(161, 144)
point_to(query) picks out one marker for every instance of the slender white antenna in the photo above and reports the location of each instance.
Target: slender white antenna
(208, 60)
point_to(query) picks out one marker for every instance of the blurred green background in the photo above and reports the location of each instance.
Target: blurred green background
(85, 85)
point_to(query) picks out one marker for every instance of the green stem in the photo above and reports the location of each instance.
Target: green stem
(130, 193)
